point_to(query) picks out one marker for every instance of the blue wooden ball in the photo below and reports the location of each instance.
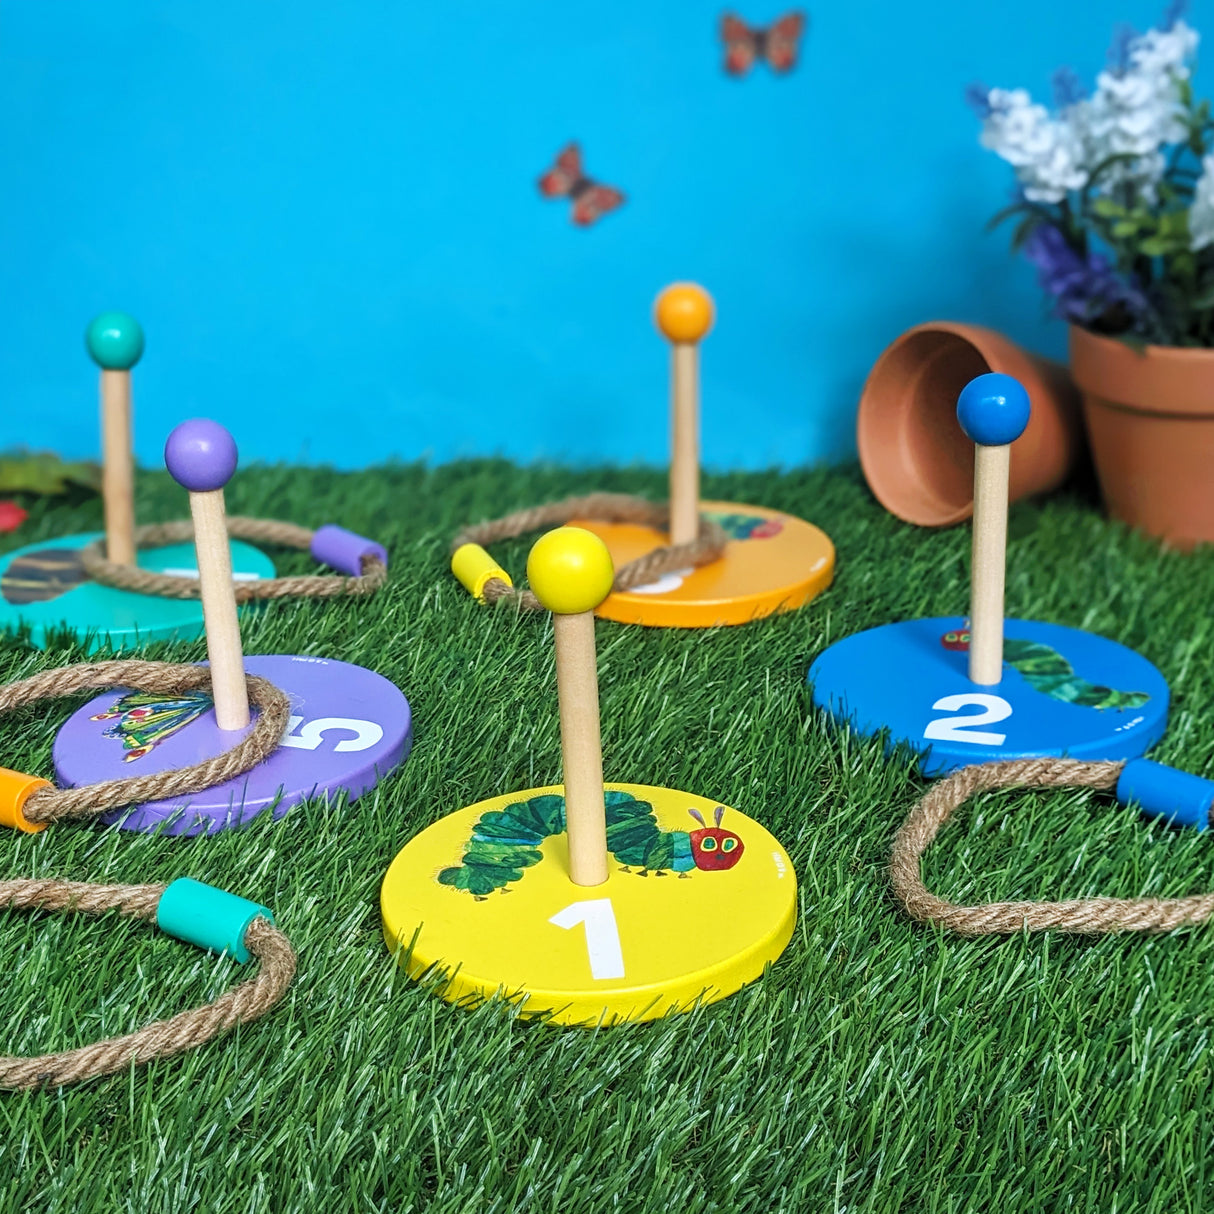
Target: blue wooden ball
(993, 409)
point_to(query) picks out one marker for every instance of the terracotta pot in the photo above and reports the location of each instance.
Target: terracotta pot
(915, 456)
(1150, 420)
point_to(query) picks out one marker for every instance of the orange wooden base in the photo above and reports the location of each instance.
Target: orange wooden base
(775, 563)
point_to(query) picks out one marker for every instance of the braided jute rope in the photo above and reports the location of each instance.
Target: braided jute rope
(90, 800)
(1080, 915)
(163, 1038)
(708, 545)
(267, 531)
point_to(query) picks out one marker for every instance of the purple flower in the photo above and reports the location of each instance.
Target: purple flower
(1173, 13)
(978, 98)
(1083, 288)
(1119, 49)
(1067, 87)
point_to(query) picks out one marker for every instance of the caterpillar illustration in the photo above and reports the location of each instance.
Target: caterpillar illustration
(42, 575)
(747, 526)
(1047, 671)
(504, 842)
(146, 719)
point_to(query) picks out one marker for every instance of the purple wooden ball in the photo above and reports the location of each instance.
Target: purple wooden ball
(201, 455)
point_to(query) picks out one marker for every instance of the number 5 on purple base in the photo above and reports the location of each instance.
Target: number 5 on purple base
(349, 728)
(1063, 692)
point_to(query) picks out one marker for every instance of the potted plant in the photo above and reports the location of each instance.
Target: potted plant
(1115, 208)
(40, 474)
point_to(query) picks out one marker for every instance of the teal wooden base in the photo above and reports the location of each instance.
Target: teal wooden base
(43, 591)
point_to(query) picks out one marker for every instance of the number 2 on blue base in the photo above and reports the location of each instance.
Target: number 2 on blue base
(961, 729)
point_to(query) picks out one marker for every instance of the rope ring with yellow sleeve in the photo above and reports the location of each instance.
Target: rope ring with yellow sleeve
(1080, 915)
(189, 910)
(30, 803)
(486, 580)
(362, 564)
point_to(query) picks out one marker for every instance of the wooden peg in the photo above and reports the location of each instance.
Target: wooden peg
(684, 314)
(993, 410)
(571, 573)
(115, 343)
(201, 456)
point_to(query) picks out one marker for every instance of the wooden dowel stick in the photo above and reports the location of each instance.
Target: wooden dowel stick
(219, 610)
(685, 443)
(991, 468)
(684, 315)
(581, 753)
(117, 476)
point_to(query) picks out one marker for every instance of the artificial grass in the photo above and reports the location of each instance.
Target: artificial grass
(880, 1066)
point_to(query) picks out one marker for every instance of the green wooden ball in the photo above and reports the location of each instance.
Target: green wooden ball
(114, 341)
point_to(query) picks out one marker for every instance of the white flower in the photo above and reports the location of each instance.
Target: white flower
(1136, 110)
(1201, 214)
(1047, 153)
(1159, 51)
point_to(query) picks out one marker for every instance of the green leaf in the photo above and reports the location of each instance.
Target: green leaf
(1161, 246)
(1135, 341)
(1024, 229)
(1106, 208)
(1007, 212)
(1175, 224)
(1183, 265)
(1107, 163)
(1126, 227)
(43, 472)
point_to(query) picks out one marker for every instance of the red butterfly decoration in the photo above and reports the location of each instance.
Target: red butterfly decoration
(566, 180)
(778, 44)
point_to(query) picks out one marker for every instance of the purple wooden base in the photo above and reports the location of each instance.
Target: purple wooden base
(349, 728)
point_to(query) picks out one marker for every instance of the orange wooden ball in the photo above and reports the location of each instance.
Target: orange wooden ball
(684, 312)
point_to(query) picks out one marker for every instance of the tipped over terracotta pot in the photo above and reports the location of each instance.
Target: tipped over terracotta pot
(1150, 420)
(916, 458)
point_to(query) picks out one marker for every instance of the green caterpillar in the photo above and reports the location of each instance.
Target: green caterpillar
(505, 842)
(747, 526)
(1047, 671)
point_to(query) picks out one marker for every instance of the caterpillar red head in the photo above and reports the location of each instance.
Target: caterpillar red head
(777, 45)
(566, 180)
(956, 638)
(713, 848)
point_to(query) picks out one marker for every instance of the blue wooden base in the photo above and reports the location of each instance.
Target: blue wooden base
(43, 588)
(1063, 692)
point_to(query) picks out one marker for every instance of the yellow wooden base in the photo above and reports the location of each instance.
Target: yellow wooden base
(639, 946)
(755, 577)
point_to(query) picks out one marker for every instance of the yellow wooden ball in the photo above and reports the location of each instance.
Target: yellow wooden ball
(570, 570)
(684, 312)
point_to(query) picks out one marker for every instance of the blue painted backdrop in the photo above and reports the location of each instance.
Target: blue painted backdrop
(326, 215)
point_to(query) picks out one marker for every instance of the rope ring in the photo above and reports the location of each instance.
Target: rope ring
(486, 580)
(163, 1038)
(373, 568)
(1080, 915)
(46, 804)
